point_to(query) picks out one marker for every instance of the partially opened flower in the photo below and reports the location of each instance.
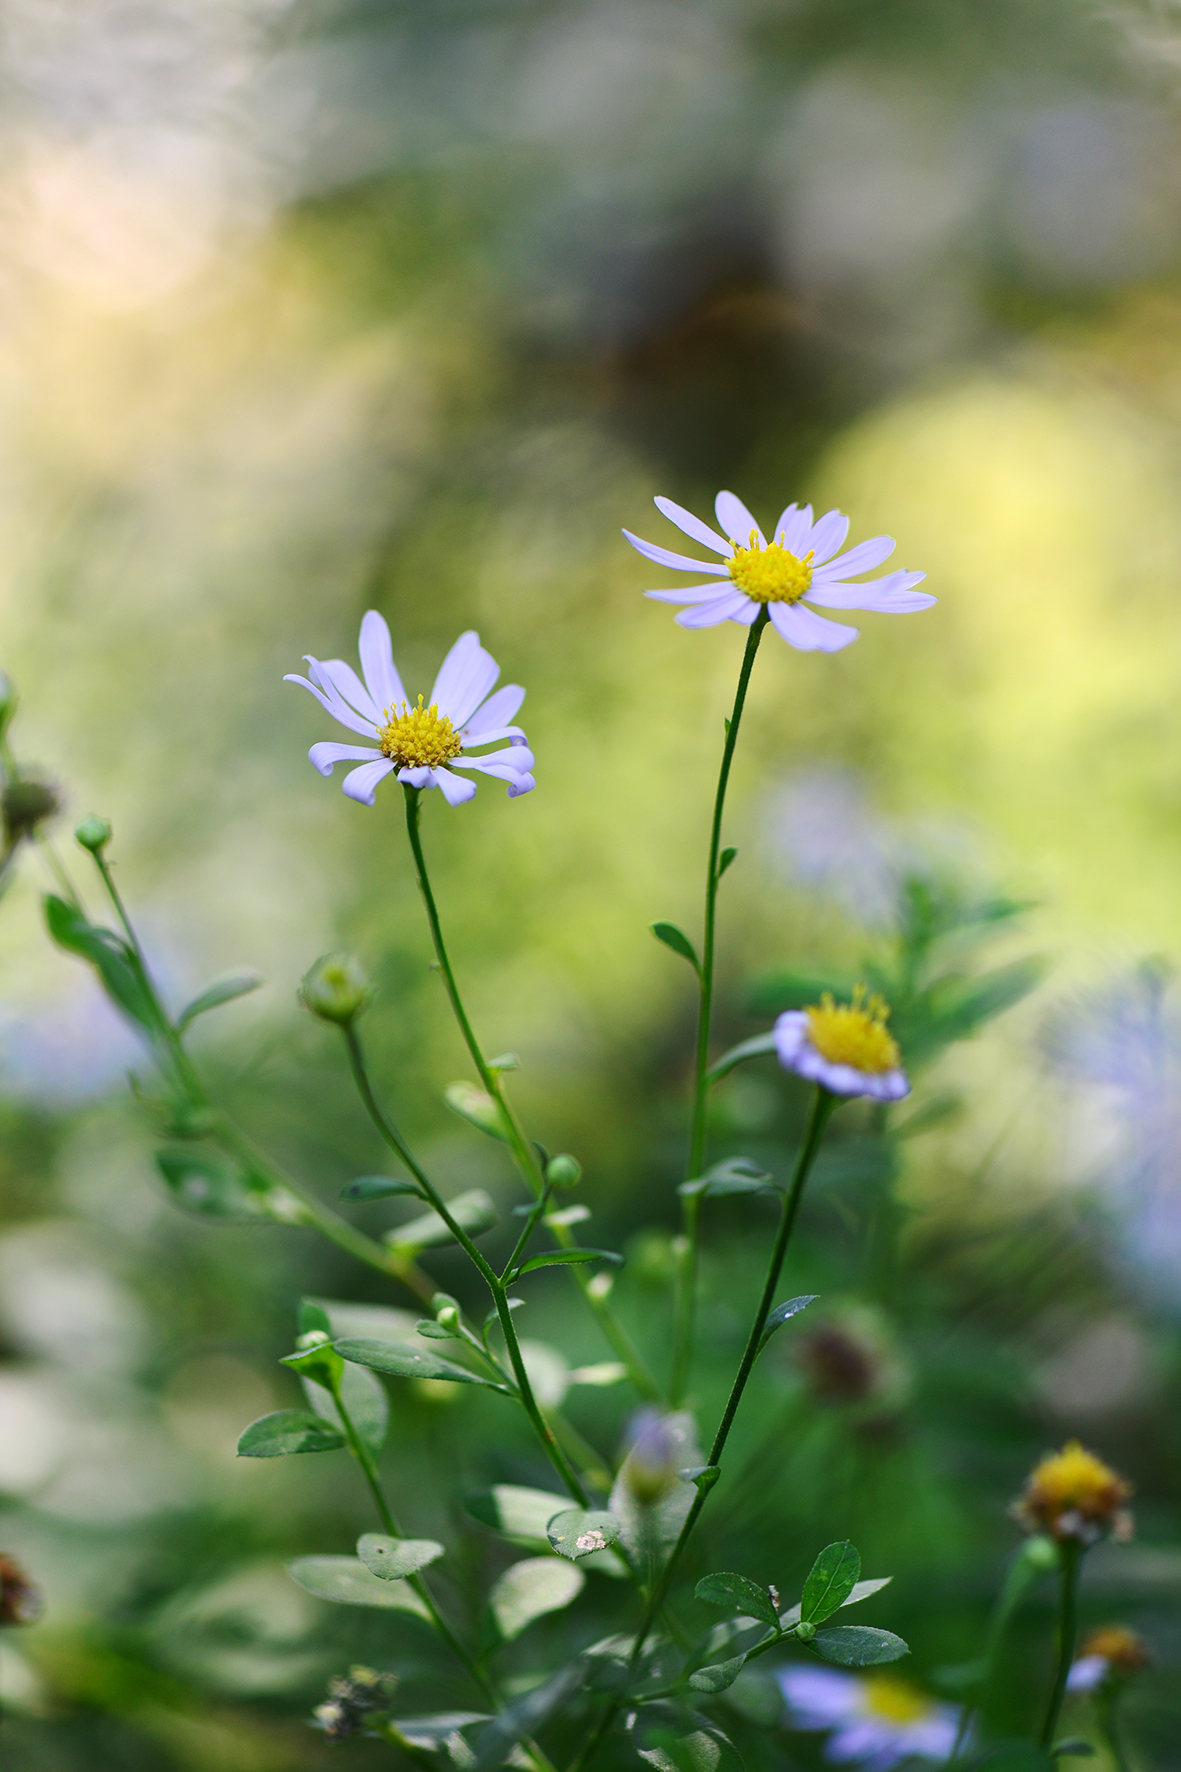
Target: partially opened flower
(801, 565)
(1109, 1655)
(424, 744)
(877, 1720)
(843, 1046)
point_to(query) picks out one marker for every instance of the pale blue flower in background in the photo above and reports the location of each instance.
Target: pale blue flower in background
(877, 1720)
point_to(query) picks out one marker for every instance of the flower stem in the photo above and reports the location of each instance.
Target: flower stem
(1071, 1552)
(691, 1209)
(1105, 1718)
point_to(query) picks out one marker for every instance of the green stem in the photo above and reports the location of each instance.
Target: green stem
(1105, 1718)
(1071, 1552)
(532, 1220)
(691, 1209)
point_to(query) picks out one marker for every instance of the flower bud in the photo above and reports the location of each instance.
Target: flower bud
(563, 1171)
(448, 1317)
(650, 1469)
(335, 988)
(20, 1601)
(24, 805)
(94, 834)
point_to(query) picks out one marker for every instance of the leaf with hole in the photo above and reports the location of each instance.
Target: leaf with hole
(678, 941)
(391, 1559)
(858, 1645)
(739, 1595)
(347, 1582)
(474, 1213)
(830, 1581)
(288, 1430)
(379, 1187)
(783, 1313)
(409, 1362)
(577, 1532)
(222, 990)
(529, 1590)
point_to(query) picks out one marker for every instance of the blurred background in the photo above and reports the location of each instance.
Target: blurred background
(312, 308)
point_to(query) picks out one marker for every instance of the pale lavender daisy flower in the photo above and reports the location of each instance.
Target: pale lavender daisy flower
(877, 1720)
(801, 563)
(843, 1046)
(424, 744)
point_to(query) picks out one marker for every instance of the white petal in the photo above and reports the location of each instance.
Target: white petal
(417, 778)
(494, 737)
(828, 534)
(747, 613)
(707, 615)
(517, 758)
(795, 527)
(892, 595)
(808, 632)
(736, 520)
(523, 784)
(359, 784)
(680, 562)
(498, 710)
(349, 686)
(688, 593)
(1088, 1672)
(323, 756)
(454, 789)
(863, 558)
(693, 526)
(377, 662)
(331, 702)
(466, 676)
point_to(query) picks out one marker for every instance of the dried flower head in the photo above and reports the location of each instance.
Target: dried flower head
(24, 804)
(351, 1699)
(1073, 1495)
(20, 1601)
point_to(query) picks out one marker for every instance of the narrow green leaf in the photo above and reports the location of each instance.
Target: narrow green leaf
(222, 990)
(347, 1582)
(379, 1187)
(390, 1559)
(1016, 1756)
(313, 1316)
(678, 941)
(288, 1430)
(717, 1677)
(756, 1047)
(733, 1175)
(507, 1061)
(211, 1186)
(783, 1313)
(426, 1326)
(408, 1362)
(564, 1258)
(739, 1595)
(830, 1581)
(520, 1513)
(478, 1108)
(578, 1532)
(725, 859)
(474, 1212)
(110, 956)
(529, 1590)
(861, 1591)
(858, 1645)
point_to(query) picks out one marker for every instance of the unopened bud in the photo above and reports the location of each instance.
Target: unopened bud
(335, 988)
(650, 1469)
(563, 1171)
(311, 1338)
(24, 805)
(448, 1317)
(805, 1631)
(94, 834)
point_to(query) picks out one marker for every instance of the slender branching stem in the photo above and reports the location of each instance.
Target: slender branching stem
(1071, 1552)
(1105, 1705)
(691, 1207)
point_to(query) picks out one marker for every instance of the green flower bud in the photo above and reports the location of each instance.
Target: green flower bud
(448, 1317)
(805, 1631)
(94, 834)
(563, 1171)
(335, 988)
(24, 805)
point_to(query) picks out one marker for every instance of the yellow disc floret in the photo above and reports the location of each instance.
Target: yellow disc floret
(1073, 1494)
(854, 1033)
(1124, 1650)
(772, 574)
(418, 737)
(893, 1700)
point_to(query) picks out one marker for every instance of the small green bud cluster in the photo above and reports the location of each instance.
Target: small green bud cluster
(336, 989)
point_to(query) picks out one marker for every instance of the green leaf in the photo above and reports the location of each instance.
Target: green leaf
(703, 1749)
(408, 1362)
(433, 1331)
(529, 1590)
(858, 1645)
(365, 1398)
(756, 1047)
(717, 1677)
(222, 990)
(347, 1582)
(478, 1108)
(313, 1316)
(678, 941)
(782, 1314)
(474, 1212)
(830, 1581)
(520, 1513)
(725, 859)
(212, 1186)
(379, 1187)
(494, 1744)
(739, 1595)
(110, 956)
(733, 1175)
(563, 1258)
(578, 1532)
(861, 1590)
(390, 1559)
(1074, 1745)
(288, 1430)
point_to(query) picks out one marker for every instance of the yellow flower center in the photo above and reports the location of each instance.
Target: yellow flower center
(1075, 1478)
(418, 737)
(854, 1033)
(894, 1701)
(771, 574)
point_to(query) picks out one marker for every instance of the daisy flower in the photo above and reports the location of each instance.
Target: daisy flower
(1110, 1654)
(1073, 1494)
(424, 744)
(801, 563)
(876, 1720)
(843, 1046)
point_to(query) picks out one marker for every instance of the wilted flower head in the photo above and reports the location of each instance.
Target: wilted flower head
(877, 1720)
(1109, 1654)
(802, 562)
(351, 1699)
(850, 1361)
(843, 1046)
(24, 804)
(20, 1601)
(1073, 1495)
(424, 744)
